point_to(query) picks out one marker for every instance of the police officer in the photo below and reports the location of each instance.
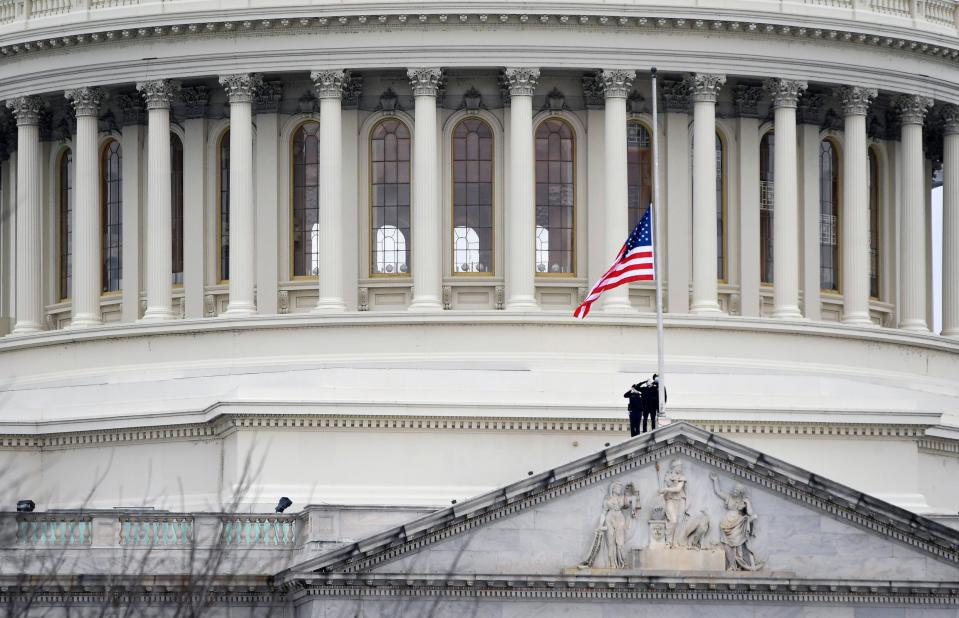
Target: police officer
(635, 408)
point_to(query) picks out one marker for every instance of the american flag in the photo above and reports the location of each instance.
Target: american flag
(634, 262)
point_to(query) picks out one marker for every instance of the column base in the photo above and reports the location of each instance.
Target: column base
(706, 308)
(916, 326)
(329, 305)
(239, 310)
(950, 332)
(84, 321)
(425, 305)
(522, 303)
(857, 319)
(787, 313)
(157, 314)
(26, 328)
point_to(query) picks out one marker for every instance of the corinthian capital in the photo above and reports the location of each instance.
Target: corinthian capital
(425, 81)
(704, 87)
(912, 108)
(617, 82)
(26, 109)
(855, 100)
(329, 84)
(240, 87)
(86, 101)
(159, 93)
(950, 119)
(521, 81)
(785, 92)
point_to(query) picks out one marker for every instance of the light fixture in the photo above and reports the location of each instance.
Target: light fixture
(283, 504)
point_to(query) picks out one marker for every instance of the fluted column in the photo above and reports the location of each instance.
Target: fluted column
(855, 205)
(329, 89)
(87, 248)
(913, 272)
(616, 86)
(520, 210)
(950, 223)
(159, 95)
(426, 218)
(785, 96)
(29, 303)
(704, 88)
(240, 89)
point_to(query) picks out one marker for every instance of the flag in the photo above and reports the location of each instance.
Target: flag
(634, 262)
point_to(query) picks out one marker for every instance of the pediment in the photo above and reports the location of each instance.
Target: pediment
(732, 511)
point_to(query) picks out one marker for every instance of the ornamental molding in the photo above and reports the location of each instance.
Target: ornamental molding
(159, 93)
(679, 439)
(950, 119)
(194, 99)
(855, 99)
(132, 108)
(633, 588)
(912, 108)
(266, 98)
(811, 109)
(785, 92)
(593, 91)
(27, 110)
(426, 82)
(747, 100)
(240, 87)
(329, 84)
(521, 81)
(705, 87)
(86, 101)
(675, 96)
(617, 83)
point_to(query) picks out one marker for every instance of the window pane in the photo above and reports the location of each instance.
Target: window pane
(224, 180)
(766, 197)
(390, 199)
(65, 225)
(555, 190)
(874, 254)
(176, 202)
(828, 217)
(112, 216)
(305, 207)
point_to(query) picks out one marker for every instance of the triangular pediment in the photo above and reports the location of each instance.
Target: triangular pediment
(733, 511)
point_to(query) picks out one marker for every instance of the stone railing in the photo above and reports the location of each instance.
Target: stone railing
(18, 15)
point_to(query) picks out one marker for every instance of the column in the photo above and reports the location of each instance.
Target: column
(194, 198)
(855, 205)
(521, 210)
(676, 196)
(8, 259)
(87, 229)
(809, 130)
(704, 88)
(29, 303)
(747, 100)
(950, 223)
(616, 86)
(426, 217)
(913, 272)
(267, 211)
(239, 89)
(785, 96)
(159, 95)
(329, 89)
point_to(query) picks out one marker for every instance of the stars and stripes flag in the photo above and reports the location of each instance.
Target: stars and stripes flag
(634, 262)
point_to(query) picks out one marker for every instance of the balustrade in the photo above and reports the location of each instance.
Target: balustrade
(254, 530)
(54, 529)
(156, 530)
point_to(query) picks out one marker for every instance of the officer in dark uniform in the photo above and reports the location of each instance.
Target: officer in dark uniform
(635, 408)
(649, 398)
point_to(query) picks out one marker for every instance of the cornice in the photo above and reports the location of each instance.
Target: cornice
(581, 17)
(743, 589)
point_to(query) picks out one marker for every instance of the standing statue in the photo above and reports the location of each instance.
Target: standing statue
(737, 528)
(673, 492)
(614, 525)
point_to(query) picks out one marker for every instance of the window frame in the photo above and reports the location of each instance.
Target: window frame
(371, 232)
(62, 224)
(875, 190)
(176, 138)
(574, 220)
(722, 205)
(292, 198)
(838, 208)
(105, 146)
(493, 203)
(772, 213)
(218, 170)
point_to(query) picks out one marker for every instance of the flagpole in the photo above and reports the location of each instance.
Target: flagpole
(658, 253)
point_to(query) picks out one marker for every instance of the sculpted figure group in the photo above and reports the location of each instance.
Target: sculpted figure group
(737, 529)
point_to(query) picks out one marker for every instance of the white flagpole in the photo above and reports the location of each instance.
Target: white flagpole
(657, 252)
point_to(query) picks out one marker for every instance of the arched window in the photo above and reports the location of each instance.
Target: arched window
(305, 202)
(472, 197)
(65, 222)
(828, 216)
(639, 171)
(176, 205)
(874, 187)
(767, 190)
(390, 198)
(111, 197)
(555, 191)
(720, 208)
(223, 216)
